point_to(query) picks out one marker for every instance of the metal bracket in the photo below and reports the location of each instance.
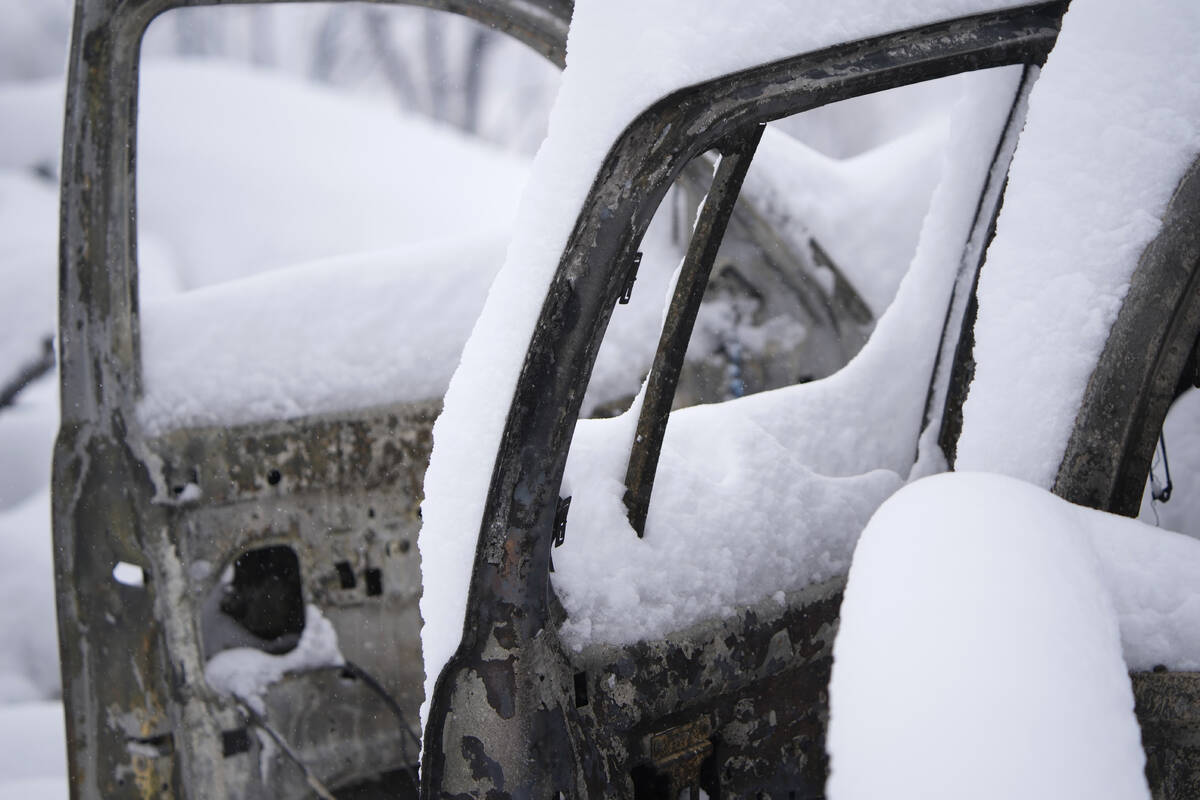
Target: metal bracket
(560, 520)
(630, 277)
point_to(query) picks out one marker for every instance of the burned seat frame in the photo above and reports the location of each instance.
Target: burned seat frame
(145, 527)
(736, 706)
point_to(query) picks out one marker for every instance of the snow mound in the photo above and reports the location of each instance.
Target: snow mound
(978, 654)
(341, 334)
(247, 673)
(866, 211)
(1113, 123)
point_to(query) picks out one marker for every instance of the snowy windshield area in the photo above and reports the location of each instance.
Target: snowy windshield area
(767, 493)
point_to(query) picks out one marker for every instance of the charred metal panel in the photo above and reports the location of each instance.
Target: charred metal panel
(175, 513)
(757, 681)
(344, 497)
(1168, 708)
(1128, 394)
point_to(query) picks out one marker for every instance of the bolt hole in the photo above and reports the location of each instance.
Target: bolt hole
(374, 578)
(274, 477)
(581, 692)
(371, 513)
(405, 545)
(345, 575)
(234, 742)
(128, 574)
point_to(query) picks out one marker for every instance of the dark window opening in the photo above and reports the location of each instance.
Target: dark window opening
(264, 596)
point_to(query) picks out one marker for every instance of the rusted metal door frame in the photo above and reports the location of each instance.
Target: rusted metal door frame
(533, 736)
(141, 721)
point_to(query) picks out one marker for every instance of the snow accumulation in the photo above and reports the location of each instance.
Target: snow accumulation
(865, 211)
(345, 333)
(621, 57)
(247, 673)
(34, 753)
(243, 172)
(979, 654)
(1113, 123)
(246, 171)
(768, 493)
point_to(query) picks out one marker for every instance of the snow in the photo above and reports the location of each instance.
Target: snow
(1113, 122)
(769, 492)
(247, 673)
(979, 654)
(340, 334)
(246, 171)
(27, 431)
(621, 56)
(29, 657)
(28, 267)
(1151, 574)
(866, 211)
(34, 757)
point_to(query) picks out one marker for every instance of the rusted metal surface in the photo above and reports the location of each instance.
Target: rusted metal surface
(736, 156)
(1168, 708)
(1145, 359)
(757, 680)
(340, 492)
(503, 718)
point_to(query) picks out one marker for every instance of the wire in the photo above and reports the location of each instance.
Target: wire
(259, 722)
(371, 683)
(390, 702)
(1162, 495)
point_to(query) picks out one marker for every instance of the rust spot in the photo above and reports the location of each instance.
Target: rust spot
(500, 681)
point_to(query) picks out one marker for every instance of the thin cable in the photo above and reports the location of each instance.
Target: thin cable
(390, 702)
(1162, 495)
(259, 722)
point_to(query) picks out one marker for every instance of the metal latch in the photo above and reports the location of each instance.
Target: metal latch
(560, 520)
(630, 277)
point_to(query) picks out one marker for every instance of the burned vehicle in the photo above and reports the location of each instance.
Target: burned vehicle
(592, 677)
(175, 547)
(192, 558)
